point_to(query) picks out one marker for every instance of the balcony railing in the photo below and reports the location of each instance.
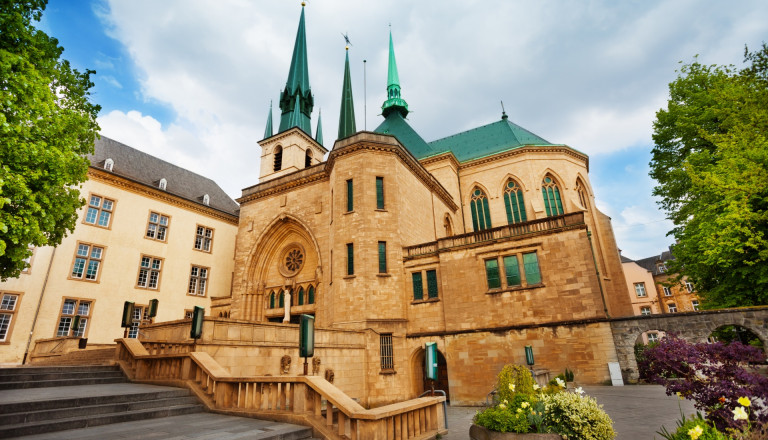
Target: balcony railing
(502, 232)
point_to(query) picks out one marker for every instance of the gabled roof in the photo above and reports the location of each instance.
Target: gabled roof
(484, 141)
(143, 168)
(395, 124)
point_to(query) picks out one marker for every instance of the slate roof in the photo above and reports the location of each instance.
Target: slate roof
(484, 141)
(143, 168)
(649, 263)
(396, 125)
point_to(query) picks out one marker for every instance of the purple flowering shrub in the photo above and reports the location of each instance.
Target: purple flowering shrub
(714, 376)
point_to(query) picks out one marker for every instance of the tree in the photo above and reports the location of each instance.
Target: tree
(711, 164)
(47, 126)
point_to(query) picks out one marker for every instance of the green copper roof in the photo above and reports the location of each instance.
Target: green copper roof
(297, 87)
(394, 101)
(319, 132)
(395, 124)
(486, 140)
(268, 128)
(347, 112)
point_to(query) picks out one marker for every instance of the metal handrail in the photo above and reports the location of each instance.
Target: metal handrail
(445, 404)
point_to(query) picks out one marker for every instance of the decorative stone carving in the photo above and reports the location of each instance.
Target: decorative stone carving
(285, 364)
(329, 375)
(315, 366)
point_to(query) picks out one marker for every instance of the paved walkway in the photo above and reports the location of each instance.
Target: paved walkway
(638, 411)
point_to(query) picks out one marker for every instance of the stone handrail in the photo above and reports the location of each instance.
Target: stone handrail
(308, 400)
(501, 232)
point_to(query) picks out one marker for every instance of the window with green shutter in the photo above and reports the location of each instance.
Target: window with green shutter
(512, 270)
(379, 193)
(350, 259)
(432, 283)
(382, 257)
(350, 196)
(418, 289)
(492, 273)
(531, 264)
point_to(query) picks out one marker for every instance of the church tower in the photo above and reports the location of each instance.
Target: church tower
(293, 147)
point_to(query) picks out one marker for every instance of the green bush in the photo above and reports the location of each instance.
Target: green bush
(503, 419)
(516, 375)
(688, 430)
(577, 417)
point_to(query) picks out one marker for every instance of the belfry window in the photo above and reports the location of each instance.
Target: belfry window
(551, 194)
(513, 201)
(308, 159)
(278, 165)
(481, 214)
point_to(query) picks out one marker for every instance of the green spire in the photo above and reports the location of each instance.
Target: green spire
(268, 129)
(347, 112)
(393, 102)
(319, 132)
(297, 93)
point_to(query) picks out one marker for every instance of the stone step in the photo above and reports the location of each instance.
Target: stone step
(88, 380)
(87, 401)
(99, 356)
(12, 371)
(39, 377)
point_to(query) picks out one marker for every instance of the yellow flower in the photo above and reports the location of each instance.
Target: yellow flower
(502, 406)
(519, 410)
(739, 414)
(695, 432)
(525, 404)
(512, 387)
(744, 401)
(679, 395)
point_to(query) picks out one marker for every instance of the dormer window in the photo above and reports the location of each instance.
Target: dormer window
(108, 164)
(206, 200)
(163, 184)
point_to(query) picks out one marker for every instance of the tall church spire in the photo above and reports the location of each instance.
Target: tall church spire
(319, 132)
(347, 112)
(297, 93)
(268, 128)
(394, 101)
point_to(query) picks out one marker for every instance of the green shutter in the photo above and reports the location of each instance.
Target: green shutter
(487, 213)
(272, 300)
(512, 270)
(301, 296)
(281, 303)
(350, 259)
(379, 193)
(473, 208)
(311, 295)
(418, 290)
(350, 196)
(432, 283)
(521, 207)
(382, 257)
(547, 194)
(531, 263)
(492, 273)
(558, 203)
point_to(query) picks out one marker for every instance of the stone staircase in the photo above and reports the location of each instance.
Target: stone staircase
(63, 400)
(97, 356)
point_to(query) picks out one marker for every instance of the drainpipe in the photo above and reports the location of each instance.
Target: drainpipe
(37, 312)
(597, 271)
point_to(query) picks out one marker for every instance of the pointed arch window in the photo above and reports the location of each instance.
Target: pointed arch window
(301, 296)
(278, 165)
(281, 302)
(447, 225)
(551, 193)
(582, 194)
(481, 214)
(513, 201)
(311, 295)
(272, 300)
(308, 159)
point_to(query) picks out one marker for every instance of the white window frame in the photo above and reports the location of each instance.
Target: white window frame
(640, 290)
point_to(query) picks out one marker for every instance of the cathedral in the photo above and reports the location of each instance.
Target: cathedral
(486, 242)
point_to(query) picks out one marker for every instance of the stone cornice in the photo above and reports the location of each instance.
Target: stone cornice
(441, 157)
(290, 132)
(564, 149)
(285, 183)
(136, 187)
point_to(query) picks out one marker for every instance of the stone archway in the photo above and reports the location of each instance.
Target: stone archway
(419, 375)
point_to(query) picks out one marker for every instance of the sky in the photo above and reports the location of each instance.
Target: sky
(191, 81)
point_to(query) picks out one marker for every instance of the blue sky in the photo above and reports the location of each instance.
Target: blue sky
(190, 81)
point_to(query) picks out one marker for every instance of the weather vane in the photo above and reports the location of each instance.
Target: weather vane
(346, 39)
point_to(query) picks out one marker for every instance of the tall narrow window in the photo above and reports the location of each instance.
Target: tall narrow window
(99, 211)
(582, 192)
(71, 309)
(272, 300)
(481, 214)
(350, 196)
(300, 296)
(278, 165)
(149, 272)
(198, 280)
(311, 295)
(513, 202)
(157, 226)
(667, 291)
(689, 287)
(350, 259)
(387, 351)
(87, 262)
(8, 306)
(382, 257)
(140, 316)
(531, 265)
(308, 159)
(379, 193)
(551, 194)
(695, 305)
(432, 283)
(512, 270)
(418, 288)
(447, 225)
(492, 273)
(281, 301)
(203, 238)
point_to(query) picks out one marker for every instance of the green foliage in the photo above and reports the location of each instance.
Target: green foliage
(711, 163)
(731, 333)
(47, 125)
(568, 375)
(694, 428)
(516, 375)
(508, 416)
(577, 417)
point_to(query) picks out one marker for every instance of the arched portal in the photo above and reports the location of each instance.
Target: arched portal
(418, 373)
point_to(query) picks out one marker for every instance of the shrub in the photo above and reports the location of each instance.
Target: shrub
(516, 375)
(508, 416)
(577, 417)
(695, 428)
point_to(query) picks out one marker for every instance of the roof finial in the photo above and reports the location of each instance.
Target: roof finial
(346, 39)
(303, 4)
(503, 113)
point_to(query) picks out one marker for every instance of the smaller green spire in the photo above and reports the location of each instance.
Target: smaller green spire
(347, 112)
(268, 129)
(319, 132)
(295, 120)
(394, 101)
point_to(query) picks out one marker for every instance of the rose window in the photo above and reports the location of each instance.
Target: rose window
(293, 260)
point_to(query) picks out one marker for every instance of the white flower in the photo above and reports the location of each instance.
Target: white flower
(512, 387)
(579, 391)
(560, 382)
(536, 387)
(524, 405)
(502, 406)
(739, 414)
